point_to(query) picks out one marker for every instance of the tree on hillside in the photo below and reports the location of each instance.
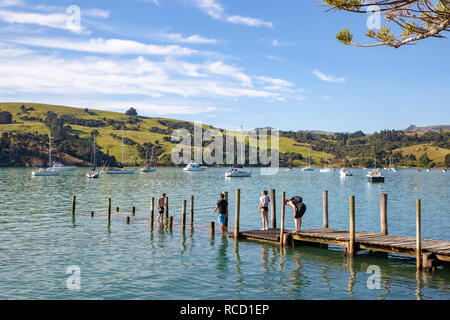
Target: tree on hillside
(5, 117)
(424, 161)
(131, 112)
(447, 160)
(414, 20)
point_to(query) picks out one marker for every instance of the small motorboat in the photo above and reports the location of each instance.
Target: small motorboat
(444, 170)
(192, 167)
(375, 176)
(289, 168)
(146, 169)
(237, 173)
(119, 171)
(428, 170)
(345, 172)
(327, 170)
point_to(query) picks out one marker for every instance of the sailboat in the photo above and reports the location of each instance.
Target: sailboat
(308, 168)
(148, 167)
(46, 172)
(120, 170)
(93, 174)
(391, 166)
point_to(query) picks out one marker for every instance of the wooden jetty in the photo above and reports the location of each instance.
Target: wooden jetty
(428, 253)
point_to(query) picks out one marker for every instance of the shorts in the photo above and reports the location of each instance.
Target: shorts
(298, 214)
(161, 211)
(265, 208)
(222, 218)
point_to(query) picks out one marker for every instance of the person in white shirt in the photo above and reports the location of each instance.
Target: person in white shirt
(264, 207)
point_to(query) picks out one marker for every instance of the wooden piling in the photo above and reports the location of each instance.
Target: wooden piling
(74, 201)
(351, 243)
(226, 218)
(170, 223)
(167, 208)
(383, 214)
(133, 211)
(128, 220)
(109, 208)
(237, 210)
(117, 209)
(273, 209)
(212, 229)
(183, 215)
(325, 209)
(92, 214)
(152, 211)
(418, 237)
(192, 211)
(283, 213)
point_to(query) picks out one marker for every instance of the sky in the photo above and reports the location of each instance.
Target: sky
(250, 63)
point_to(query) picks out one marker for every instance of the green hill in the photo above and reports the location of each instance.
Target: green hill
(72, 129)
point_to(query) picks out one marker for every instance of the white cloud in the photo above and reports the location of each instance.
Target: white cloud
(328, 78)
(108, 46)
(193, 39)
(221, 68)
(273, 58)
(56, 20)
(252, 22)
(215, 10)
(11, 3)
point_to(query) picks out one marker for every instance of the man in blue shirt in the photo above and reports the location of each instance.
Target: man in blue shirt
(222, 205)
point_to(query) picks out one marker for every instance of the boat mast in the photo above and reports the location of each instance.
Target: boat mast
(50, 136)
(122, 148)
(95, 159)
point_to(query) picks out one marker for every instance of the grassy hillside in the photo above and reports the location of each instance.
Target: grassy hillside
(436, 154)
(138, 131)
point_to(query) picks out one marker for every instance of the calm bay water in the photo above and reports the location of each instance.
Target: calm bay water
(39, 240)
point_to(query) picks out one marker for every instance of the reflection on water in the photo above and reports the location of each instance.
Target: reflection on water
(39, 239)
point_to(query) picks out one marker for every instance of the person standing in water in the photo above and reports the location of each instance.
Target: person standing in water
(299, 210)
(162, 206)
(264, 207)
(222, 205)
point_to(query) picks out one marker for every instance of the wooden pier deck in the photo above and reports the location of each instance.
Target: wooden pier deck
(431, 249)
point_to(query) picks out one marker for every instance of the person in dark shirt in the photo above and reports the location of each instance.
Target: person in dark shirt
(299, 210)
(222, 206)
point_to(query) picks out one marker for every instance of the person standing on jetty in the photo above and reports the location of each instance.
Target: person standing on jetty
(222, 205)
(162, 206)
(264, 207)
(299, 210)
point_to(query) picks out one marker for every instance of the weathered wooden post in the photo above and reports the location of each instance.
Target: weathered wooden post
(74, 201)
(236, 221)
(170, 223)
(226, 218)
(212, 229)
(167, 209)
(133, 211)
(273, 209)
(128, 220)
(192, 211)
(351, 242)
(325, 209)
(183, 217)
(117, 209)
(92, 214)
(283, 213)
(418, 237)
(152, 211)
(383, 214)
(109, 208)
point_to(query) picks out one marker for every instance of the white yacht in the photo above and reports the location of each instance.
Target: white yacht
(237, 173)
(46, 172)
(120, 170)
(193, 167)
(327, 170)
(93, 174)
(345, 172)
(58, 166)
(308, 168)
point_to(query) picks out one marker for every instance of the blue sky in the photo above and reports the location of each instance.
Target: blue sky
(227, 63)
